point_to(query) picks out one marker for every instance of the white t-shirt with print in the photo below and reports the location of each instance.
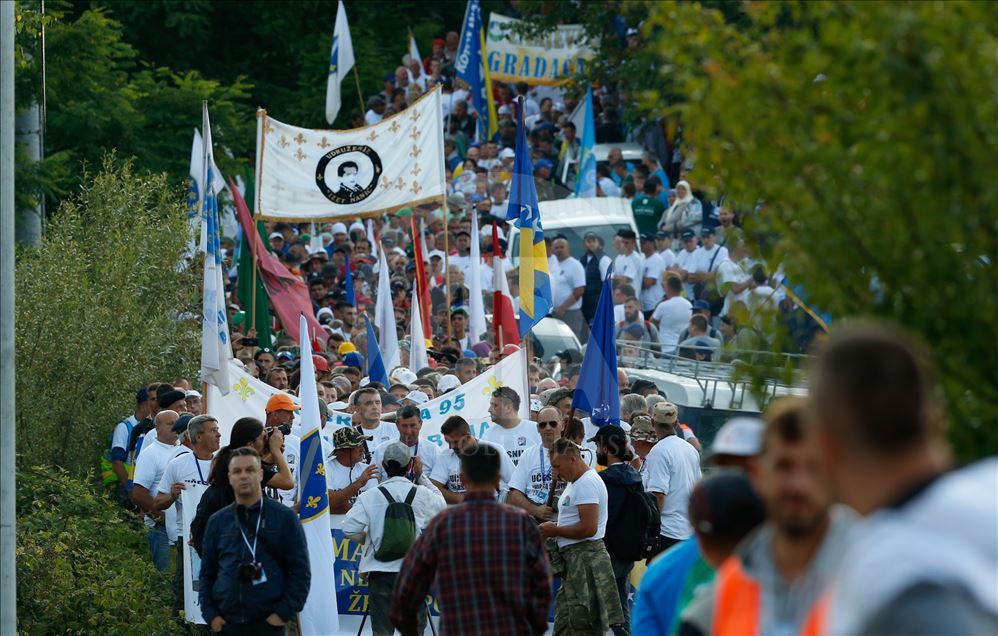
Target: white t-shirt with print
(186, 469)
(629, 265)
(386, 431)
(447, 470)
(292, 455)
(339, 476)
(426, 451)
(587, 489)
(515, 440)
(532, 475)
(673, 468)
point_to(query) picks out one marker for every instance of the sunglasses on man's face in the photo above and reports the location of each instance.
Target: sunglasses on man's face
(552, 424)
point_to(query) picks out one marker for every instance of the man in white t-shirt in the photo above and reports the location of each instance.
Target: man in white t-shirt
(567, 294)
(733, 281)
(367, 402)
(506, 428)
(707, 258)
(651, 279)
(673, 468)
(530, 487)
(686, 259)
(446, 475)
(672, 314)
(424, 453)
(628, 266)
(188, 467)
(347, 475)
(149, 469)
(581, 557)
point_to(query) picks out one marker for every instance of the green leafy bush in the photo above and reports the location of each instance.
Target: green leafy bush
(83, 565)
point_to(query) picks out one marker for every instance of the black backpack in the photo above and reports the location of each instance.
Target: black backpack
(400, 527)
(634, 532)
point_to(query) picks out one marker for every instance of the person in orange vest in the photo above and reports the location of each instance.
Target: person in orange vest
(925, 560)
(773, 578)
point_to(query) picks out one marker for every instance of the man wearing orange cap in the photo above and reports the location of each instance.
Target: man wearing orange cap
(280, 413)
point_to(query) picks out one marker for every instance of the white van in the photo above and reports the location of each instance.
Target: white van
(573, 218)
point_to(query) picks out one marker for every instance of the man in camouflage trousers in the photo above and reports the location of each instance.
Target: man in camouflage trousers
(587, 602)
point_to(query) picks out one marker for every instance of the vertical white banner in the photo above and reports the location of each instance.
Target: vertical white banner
(189, 499)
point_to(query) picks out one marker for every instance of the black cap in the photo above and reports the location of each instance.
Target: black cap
(626, 233)
(724, 507)
(181, 424)
(661, 235)
(168, 398)
(611, 436)
(707, 230)
(640, 385)
(687, 235)
(647, 236)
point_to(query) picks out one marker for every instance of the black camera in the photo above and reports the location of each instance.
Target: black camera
(251, 342)
(285, 430)
(250, 571)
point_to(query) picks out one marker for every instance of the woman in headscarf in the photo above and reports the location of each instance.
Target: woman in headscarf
(686, 213)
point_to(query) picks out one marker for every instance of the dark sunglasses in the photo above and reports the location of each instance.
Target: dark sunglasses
(552, 424)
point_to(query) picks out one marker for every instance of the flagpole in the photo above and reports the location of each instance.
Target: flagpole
(356, 77)
(447, 265)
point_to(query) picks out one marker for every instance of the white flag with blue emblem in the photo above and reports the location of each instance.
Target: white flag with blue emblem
(215, 348)
(195, 181)
(340, 62)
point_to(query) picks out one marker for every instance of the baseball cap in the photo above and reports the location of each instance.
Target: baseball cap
(285, 355)
(632, 31)
(642, 430)
(182, 422)
(281, 402)
(276, 235)
(435, 254)
(349, 437)
(402, 375)
(590, 235)
(507, 153)
(610, 435)
(543, 163)
(725, 507)
(687, 235)
(647, 236)
(448, 383)
(397, 452)
(661, 235)
(417, 397)
(192, 393)
(626, 233)
(665, 413)
(740, 437)
(700, 304)
(707, 231)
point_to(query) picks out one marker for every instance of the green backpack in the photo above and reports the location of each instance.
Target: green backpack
(400, 527)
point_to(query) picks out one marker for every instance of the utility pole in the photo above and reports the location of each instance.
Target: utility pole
(8, 512)
(28, 124)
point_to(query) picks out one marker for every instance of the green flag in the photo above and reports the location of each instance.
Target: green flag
(261, 321)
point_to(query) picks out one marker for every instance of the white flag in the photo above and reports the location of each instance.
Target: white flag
(195, 190)
(308, 174)
(476, 305)
(375, 248)
(340, 62)
(384, 319)
(319, 616)
(418, 358)
(216, 350)
(413, 50)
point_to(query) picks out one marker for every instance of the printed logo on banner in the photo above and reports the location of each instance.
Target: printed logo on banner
(348, 174)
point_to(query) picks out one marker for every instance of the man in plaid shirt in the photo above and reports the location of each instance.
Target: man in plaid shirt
(487, 560)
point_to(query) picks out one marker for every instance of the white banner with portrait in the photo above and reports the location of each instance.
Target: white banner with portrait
(305, 174)
(190, 497)
(549, 59)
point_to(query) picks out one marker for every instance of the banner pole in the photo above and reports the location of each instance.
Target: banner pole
(447, 265)
(356, 77)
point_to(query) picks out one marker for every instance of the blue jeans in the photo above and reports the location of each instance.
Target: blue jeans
(159, 546)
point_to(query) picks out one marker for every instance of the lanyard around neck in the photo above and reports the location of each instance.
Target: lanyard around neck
(256, 533)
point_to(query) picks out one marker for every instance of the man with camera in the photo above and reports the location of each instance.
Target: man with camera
(280, 413)
(255, 570)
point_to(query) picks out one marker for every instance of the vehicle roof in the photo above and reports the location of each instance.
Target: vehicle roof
(582, 212)
(630, 151)
(695, 392)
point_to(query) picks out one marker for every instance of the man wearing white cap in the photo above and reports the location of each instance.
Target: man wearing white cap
(737, 444)
(194, 403)
(383, 552)
(339, 234)
(277, 241)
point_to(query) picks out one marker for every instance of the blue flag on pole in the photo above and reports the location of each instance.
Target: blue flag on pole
(523, 210)
(348, 282)
(470, 63)
(585, 184)
(375, 364)
(597, 391)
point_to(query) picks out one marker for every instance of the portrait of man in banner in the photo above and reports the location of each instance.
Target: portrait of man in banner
(347, 172)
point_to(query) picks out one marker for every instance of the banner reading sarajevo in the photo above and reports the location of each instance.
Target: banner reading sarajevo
(548, 59)
(306, 174)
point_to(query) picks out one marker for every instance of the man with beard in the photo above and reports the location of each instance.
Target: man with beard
(772, 580)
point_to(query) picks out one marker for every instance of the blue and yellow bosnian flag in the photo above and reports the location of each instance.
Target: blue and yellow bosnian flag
(319, 616)
(523, 210)
(473, 69)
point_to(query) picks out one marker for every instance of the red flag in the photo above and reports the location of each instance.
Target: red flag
(288, 293)
(507, 330)
(425, 308)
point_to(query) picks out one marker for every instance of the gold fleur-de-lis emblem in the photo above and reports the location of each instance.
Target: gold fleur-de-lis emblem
(395, 126)
(415, 151)
(320, 469)
(416, 187)
(386, 182)
(300, 155)
(324, 143)
(414, 115)
(416, 170)
(300, 139)
(312, 502)
(283, 142)
(400, 184)
(243, 389)
(414, 134)
(372, 136)
(494, 384)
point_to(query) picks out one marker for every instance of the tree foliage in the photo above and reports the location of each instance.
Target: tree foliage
(868, 132)
(100, 313)
(83, 564)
